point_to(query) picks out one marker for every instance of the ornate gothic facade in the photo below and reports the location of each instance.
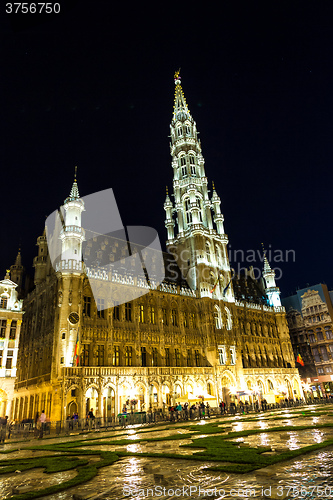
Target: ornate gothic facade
(203, 331)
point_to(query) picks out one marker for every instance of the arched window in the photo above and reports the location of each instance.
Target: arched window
(179, 131)
(198, 203)
(218, 318)
(208, 255)
(188, 210)
(229, 319)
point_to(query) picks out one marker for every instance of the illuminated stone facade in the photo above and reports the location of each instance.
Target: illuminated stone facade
(203, 331)
(10, 326)
(310, 320)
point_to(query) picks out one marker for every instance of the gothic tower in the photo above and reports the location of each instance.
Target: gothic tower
(196, 239)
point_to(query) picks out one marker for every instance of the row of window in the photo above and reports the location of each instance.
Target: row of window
(222, 351)
(167, 317)
(321, 354)
(319, 335)
(183, 130)
(126, 357)
(12, 330)
(324, 369)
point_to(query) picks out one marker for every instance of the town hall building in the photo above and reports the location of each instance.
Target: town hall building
(202, 332)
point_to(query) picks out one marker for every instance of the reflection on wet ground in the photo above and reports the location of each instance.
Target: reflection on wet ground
(33, 480)
(136, 478)
(143, 477)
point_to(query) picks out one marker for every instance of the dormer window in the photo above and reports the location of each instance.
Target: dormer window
(3, 302)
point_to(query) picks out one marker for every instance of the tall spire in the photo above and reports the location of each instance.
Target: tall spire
(74, 194)
(198, 244)
(272, 291)
(180, 108)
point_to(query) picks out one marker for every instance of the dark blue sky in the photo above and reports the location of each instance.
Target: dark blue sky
(94, 87)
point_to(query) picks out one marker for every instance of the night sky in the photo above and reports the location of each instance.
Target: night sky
(93, 87)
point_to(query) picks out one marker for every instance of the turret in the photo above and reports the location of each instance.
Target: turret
(17, 272)
(40, 261)
(272, 291)
(72, 233)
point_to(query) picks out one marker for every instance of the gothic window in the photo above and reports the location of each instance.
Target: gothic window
(143, 356)
(185, 320)
(192, 160)
(320, 335)
(167, 357)
(182, 161)
(100, 355)
(229, 319)
(141, 313)
(188, 130)
(152, 315)
(3, 324)
(218, 318)
(180, 131)
(116, 356)
(116, 312)
(3, 302)
(154, 356)
(85, 355)
(189, 358)
(197, 357)
(198, 203)
(222, 356)
(193, 320)
(174, 317)
(128, 311)
(164, 317)
(100, 308)
(233, 355)
(188, 211)
(184, 172)
(218, 255)
(312, 338)
(128, 356)
(208, 252)
(177, 357)
(87, 306)
(12, 332)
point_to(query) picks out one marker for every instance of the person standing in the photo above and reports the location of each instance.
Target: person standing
(42, 422)
(3, 427)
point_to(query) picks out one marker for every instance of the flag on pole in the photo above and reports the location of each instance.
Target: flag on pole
(300, 360)
(76, 356)
(215, 285)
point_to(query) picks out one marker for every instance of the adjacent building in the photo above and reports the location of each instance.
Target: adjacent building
(10, 326)
(310, 316)
(202, 332)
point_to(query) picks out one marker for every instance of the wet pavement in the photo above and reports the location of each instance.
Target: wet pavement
(133, 477)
